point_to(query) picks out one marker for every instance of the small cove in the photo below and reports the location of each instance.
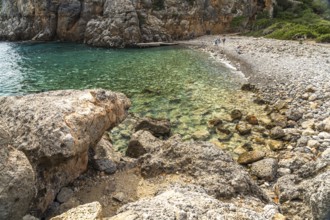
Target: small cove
(181, 84)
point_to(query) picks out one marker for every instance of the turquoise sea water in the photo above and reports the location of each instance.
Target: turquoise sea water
(186, 86)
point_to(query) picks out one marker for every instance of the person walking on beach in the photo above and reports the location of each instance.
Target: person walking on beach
(224, 40)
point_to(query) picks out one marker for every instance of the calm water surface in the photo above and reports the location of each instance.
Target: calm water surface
(169, 82)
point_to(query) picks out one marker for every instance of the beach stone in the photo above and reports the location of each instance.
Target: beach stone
(55, 130)
(64, 195)
(251, 119)
(243, 128)
(265, 169)
(192, 202)
(215, 122)
(201, 135)
(279, 120)
(250, 157)
(119, 196)
(224, 134)
(324, 135)
(294, 114)
(275, 145)
(313, 143)
(236, 115)
(310, 89)
(90, 211)
(157, 127)
(141, 142)
(277, 133)
(326, 125)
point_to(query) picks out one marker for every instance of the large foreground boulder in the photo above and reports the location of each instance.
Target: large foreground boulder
(50, 135)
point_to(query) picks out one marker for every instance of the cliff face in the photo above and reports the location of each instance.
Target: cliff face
(116, 23)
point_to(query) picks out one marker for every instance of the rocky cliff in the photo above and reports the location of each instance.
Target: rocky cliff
(119, 23)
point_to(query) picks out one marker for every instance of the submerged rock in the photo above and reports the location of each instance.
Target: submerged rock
(55, 131)
(157, 127)
(236, 115)
(243, 128)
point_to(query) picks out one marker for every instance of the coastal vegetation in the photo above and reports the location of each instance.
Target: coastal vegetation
(292, 20)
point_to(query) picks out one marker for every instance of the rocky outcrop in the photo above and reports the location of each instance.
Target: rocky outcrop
(46, 142)
(207, 165)
(190, 202)
(117, 23)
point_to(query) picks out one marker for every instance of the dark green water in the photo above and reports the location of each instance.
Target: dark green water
(169, 82)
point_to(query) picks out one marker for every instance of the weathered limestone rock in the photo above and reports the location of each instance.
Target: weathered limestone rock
(191, 202)
(90, 211)
(209, 166)
(118, 23)
(141, 142)
(55, 131)
(17, 183)
(103, 156)
(265, 169)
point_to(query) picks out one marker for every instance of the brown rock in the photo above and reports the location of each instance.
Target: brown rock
(275, 145)
(251, 119)
(243, 128)
(157, 127)
(250, 157)
(236, 115)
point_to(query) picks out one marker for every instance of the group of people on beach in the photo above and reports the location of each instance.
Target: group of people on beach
(218, 41)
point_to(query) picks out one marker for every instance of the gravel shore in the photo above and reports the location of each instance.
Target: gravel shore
(294, 79)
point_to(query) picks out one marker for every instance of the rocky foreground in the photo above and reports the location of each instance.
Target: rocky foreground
(57, 160)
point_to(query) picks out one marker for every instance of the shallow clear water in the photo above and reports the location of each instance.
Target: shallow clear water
(183, 85)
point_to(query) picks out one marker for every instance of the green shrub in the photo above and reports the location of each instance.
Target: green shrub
(291, 31)
(237, 21)
(324, 38)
